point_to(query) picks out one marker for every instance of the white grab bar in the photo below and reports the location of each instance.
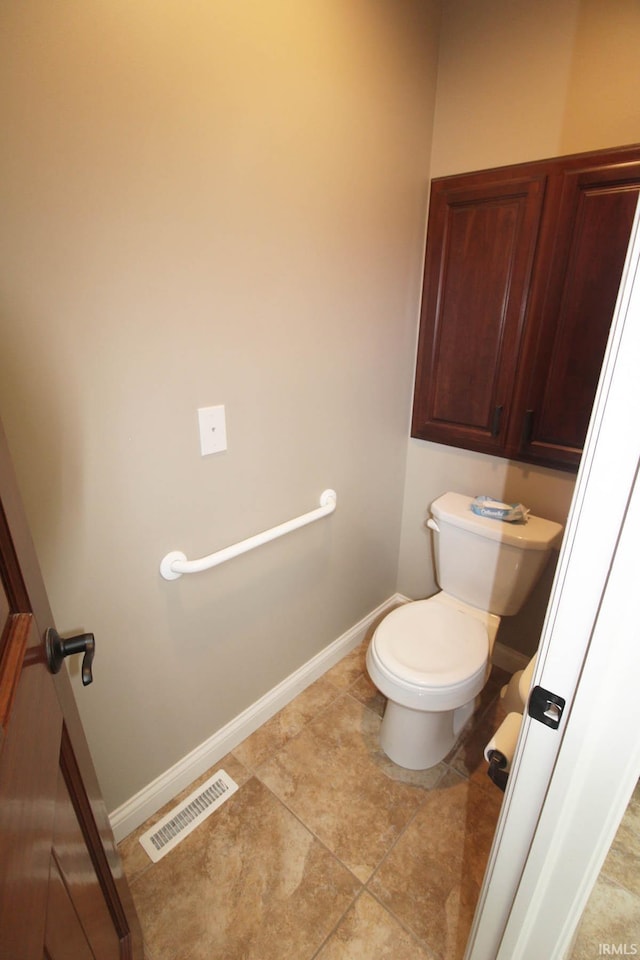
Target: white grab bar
(175, 563)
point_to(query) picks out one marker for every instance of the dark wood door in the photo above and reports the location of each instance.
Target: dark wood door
(63, 895)
(580, 265)
(480, 247)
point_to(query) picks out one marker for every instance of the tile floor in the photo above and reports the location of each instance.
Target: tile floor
(328, 851)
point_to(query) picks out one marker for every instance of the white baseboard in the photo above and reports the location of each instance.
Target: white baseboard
(151, 798)
(508, 659)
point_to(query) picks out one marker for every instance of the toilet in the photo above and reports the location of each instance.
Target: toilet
(431, 658)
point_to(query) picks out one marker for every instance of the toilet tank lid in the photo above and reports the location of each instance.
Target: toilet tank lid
(536, 534)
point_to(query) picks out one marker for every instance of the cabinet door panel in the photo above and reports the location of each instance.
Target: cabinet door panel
(583, 268)
(476, 281)
(477, 269)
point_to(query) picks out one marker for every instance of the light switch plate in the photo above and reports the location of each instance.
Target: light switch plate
(213, 430)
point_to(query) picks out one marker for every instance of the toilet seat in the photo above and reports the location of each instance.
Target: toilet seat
(432, 644)
(429, 655)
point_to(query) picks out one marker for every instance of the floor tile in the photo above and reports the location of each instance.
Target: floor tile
(266, 875)
(364, 691)
(334, 777)
(350, 668)
(623, 860)
(611, 919)
(369, 931)
(432, 878)
(351, 674)
(134, 858)
(251, 882)
(276, 732)
(261, 878)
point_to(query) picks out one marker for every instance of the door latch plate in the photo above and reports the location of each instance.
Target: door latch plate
(546, 707)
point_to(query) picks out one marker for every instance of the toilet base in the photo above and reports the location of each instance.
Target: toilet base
(418, 739)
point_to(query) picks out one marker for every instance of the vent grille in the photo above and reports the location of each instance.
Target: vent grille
(186, 816)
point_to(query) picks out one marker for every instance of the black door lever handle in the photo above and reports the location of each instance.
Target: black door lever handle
(57, 649)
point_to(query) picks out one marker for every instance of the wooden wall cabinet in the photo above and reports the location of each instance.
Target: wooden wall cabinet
(522, 270)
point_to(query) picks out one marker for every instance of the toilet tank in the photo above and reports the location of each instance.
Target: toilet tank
(488, 563)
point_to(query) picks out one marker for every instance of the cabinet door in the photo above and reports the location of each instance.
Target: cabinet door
(578, 270)
(481, 239)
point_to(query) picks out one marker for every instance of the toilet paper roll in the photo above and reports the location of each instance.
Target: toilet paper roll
(505, 738)
(510, 694)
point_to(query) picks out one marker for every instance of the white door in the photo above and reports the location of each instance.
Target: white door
(569, 787)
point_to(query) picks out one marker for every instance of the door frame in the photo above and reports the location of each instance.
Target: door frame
(569, 788)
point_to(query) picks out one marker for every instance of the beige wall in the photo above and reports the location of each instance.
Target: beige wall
(203, 204)
(518, 81)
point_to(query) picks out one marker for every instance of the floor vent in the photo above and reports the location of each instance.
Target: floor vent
(183, 819)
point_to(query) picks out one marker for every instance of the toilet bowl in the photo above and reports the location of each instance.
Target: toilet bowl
(431, 658)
